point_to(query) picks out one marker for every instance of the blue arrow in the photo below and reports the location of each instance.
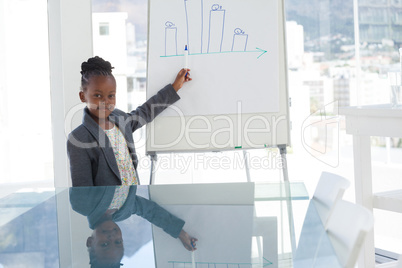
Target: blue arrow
(261, 50)
(258, 50)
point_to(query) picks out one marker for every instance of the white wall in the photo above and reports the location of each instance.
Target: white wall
(70, 43)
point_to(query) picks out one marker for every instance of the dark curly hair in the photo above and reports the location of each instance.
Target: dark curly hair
(95, 66)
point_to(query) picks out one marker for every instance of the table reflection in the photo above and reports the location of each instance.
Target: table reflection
(237, 224)
(105, 205)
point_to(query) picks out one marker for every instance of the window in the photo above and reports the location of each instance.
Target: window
(327, 76)
(104, 28)
(26, 154)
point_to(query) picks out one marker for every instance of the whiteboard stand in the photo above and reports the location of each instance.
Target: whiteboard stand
(153, 160)
(282, 150)
(246, 166)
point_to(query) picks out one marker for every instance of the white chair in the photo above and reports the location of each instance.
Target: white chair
(347, 228)
(330, 188)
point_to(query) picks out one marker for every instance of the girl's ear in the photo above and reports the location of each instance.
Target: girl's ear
(82, 96)
(89, 241)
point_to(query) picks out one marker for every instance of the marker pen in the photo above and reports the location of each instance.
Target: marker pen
(186, 58)
(193, 259)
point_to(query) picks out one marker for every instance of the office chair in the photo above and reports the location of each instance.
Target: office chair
(347, 227)
(330, 188)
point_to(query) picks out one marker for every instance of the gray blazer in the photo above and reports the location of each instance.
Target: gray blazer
(92, 160)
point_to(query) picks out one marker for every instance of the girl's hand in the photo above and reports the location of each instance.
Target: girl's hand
(182, 77)
(188, 241)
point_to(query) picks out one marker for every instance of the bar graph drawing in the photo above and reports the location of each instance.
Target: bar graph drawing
(214, 36)
(239, 40)
(170, 39)
(226, 39)
(194, 24)
(216, 28)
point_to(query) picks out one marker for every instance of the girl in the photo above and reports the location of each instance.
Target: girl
(101, 150)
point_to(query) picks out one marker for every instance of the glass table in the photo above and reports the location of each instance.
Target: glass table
(237, 225)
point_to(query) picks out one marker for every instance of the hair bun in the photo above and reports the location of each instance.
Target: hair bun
(96, 64)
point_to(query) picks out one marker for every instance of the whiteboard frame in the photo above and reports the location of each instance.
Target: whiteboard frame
(174, 135)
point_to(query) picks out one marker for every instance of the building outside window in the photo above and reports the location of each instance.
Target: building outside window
(103, 28)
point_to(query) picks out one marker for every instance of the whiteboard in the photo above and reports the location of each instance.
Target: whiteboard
(238, 96)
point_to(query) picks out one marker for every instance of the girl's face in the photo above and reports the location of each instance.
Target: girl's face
(100, 96)
(107, 242)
